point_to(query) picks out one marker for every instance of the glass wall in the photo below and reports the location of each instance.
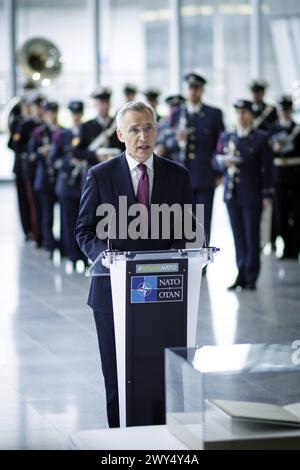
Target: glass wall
(134, 44)
(216, 38)
(281, 37)
(67, 24)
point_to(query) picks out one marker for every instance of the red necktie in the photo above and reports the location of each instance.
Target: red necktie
(143, 186)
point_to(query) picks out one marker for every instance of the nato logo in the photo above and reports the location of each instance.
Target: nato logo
(143, 289)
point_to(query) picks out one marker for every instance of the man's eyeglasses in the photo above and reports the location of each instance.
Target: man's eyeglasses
(148, 129)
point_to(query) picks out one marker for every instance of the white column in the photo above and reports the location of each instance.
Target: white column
(255, 40)
(175, 47)
(94, 10)
(10, 11)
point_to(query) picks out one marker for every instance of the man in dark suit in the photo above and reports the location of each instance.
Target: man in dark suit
(145, 178)
(246, 160)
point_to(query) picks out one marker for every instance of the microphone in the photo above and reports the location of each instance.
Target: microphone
(204, 236)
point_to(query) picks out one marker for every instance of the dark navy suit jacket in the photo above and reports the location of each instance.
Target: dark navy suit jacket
(105, 183)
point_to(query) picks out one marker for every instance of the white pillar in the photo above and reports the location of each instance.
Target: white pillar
(94, 7)
(175, 47)
(255, 40)
(10, 11)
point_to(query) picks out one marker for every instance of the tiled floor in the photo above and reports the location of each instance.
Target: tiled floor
(50, 376)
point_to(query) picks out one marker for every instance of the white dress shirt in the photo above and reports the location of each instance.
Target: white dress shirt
(136, 173)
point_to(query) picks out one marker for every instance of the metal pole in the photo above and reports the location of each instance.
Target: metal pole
(255, 40)
(10, 8)
(95, 27)
(175, 53)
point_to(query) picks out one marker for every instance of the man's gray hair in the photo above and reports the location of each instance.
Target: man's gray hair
(138, 106)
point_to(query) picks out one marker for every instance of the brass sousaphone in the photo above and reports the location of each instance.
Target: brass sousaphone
(40, 61)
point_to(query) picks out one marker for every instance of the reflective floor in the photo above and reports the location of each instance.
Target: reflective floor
(50, 376)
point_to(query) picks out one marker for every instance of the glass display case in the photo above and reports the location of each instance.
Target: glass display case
(242, 396)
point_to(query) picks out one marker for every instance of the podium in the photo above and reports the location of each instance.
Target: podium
(155, 303)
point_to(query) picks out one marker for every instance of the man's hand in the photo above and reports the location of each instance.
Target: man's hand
(277, 147)
(267, 202)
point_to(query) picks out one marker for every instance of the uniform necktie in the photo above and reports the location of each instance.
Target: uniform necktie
(143, 186)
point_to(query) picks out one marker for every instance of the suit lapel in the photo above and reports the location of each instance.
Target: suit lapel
(158, 180)
(123, 181)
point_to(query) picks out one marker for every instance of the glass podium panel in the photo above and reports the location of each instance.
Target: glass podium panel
(100, 267)
(243, 396)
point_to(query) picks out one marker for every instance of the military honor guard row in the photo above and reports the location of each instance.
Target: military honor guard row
(259, 163)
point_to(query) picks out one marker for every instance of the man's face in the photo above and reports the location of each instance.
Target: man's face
(130, 97)
(285, 113)
(244, 118)
(51, 117)
(138, 131)
(258, 95)
(36, 111)
(76, 118)
(195, 93)
(102, 107)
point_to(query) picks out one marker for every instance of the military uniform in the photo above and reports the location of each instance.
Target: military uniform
(45, 177)
(285, 141)
(166, 139)
(206, 124)
(69, 183)
(16, 143)
(246, 184)
(25, 167)
(152, 96)
(91, 130)
(265, 114)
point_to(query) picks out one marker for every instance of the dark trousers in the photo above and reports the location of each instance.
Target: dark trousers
(47, 201)
(245, 224)
(106, 339)
(287, 206)
(23, 203)
(206, 197)
(69, 212)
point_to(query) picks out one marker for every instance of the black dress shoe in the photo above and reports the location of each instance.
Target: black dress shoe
(236, 285)
(250, 286)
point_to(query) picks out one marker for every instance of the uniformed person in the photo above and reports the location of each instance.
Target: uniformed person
(152, 96)
(167, 130)
(26, 166)
(264, 114)
(39, 147)
(99, 134)
(130, 92)
(245, 158)
(69, 180)
(285, 141)
(198, 129)
(19, 115)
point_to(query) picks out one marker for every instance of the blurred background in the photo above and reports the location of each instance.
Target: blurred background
(152, 43)
(50, 375)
